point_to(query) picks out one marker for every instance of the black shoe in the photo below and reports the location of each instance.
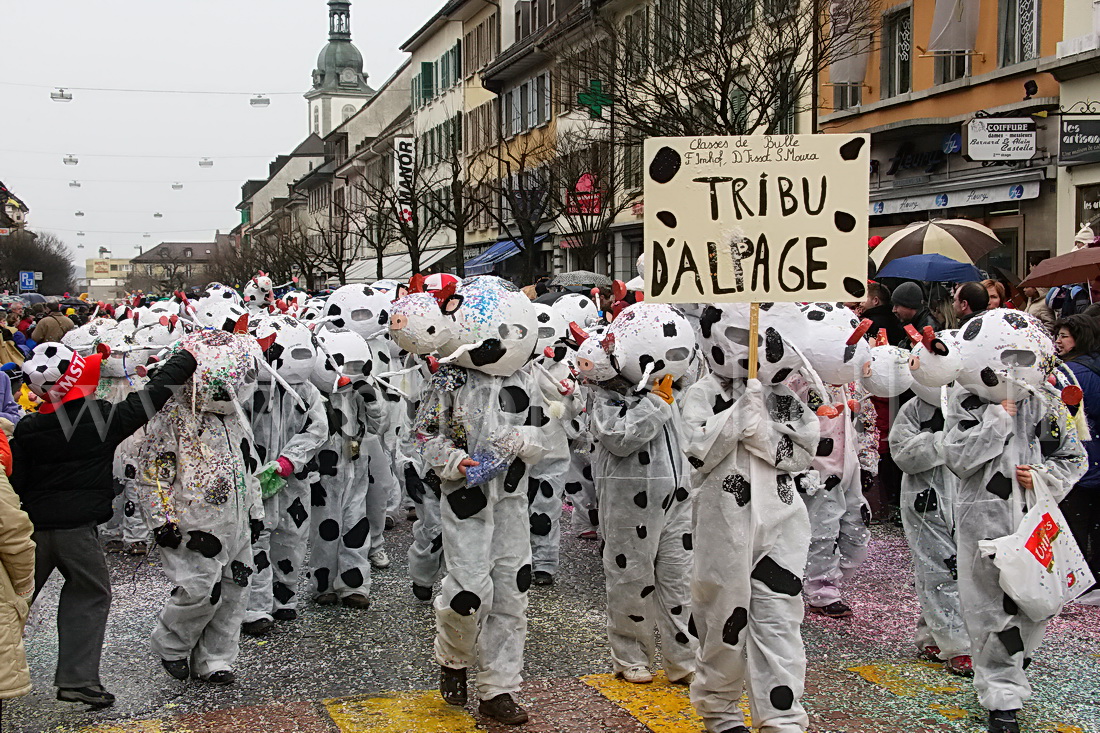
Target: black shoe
(541, 577)
(221, 677)
(258, 627)
(285, 614)
(736, 729)
(422, 592)
(356, 600)
(452, 685)
(327, 599)
(503, 709)
(390, 524)
(178, 668)
(836, 609)
(95, 696)
(1003, 721)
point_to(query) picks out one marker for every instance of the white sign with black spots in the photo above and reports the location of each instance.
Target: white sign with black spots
(762, 218)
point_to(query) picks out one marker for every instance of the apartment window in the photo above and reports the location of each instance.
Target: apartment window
(632, 166)
(779, 8)
(114, 268)
(523, 19)
(1019, 31)
(667, 29)
(951, 65)
(897, 53)
(786, 109)
(847, 96)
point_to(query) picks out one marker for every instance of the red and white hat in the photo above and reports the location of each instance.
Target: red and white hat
(58, 374)
(438, 281)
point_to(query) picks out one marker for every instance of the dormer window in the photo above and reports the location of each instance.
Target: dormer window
(187, 252)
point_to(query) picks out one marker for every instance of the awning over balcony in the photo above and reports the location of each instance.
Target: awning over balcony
(484, 263)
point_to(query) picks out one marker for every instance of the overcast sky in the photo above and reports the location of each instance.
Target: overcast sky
(251, 46)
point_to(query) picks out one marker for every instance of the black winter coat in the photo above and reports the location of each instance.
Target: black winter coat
(62, 462)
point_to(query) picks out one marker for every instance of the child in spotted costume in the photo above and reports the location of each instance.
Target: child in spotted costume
(289, 425)
(343, 512)
(1000, 426)
(748, 439)
(642, 486)
(196, 478)
(480, 425)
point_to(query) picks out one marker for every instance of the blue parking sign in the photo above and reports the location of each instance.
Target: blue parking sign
(26, 279)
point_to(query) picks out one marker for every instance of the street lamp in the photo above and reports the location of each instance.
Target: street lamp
(177, 186)
(70, 160)
(206, 163)
(80, 234)
(74, 184)
(259, 101)
(60, 95)
(79, 213)
(146, 235)
(158, 215)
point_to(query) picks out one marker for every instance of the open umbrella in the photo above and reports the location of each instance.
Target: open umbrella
(32, 298)
(582, 277)
(930, 268)
(959, 239)
(1078, 266)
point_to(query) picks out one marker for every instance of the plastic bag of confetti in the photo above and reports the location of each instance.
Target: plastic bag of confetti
(494, 457)
(1041, 566)
(271, 483)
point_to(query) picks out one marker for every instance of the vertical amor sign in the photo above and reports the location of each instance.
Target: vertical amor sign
(760, 218)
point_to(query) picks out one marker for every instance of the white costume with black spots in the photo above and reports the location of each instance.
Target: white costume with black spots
(481, 611)
(983, 445)
(747, 440)
(293, 428)
(196, 477)
(547, 479)
(645, 521)
(928, 495)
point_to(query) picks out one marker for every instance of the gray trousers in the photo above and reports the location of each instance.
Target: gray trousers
(84, 603)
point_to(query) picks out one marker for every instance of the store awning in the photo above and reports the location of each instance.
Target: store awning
(484, 263)
(956, 194)
(394, 267)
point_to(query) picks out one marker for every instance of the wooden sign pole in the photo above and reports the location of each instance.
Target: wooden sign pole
(754, 339)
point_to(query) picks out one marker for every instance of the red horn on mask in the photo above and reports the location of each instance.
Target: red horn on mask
(608, 343)
(579, 334)
(416, 283)
(242, 324)
(881, 339)
(911, 332)
(266, 342)
(444, 294)
(927, 336)
(863, 327)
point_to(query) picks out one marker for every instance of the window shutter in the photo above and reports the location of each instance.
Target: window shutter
(426, 75)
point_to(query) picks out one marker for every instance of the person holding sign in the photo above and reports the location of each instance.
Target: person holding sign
(747, 439)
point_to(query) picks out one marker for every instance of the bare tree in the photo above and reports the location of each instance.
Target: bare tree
(371, 221)
(456, 203)
(592, 193)
(521, 180)
(710, 67)
(45, 253)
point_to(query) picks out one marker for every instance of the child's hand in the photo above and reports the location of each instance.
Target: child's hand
(1023, 477)
(1009, 407)
(663, 388)
(466, 463)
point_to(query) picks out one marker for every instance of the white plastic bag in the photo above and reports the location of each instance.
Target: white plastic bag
(1041, 566)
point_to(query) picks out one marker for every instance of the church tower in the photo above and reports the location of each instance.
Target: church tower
(339, 85)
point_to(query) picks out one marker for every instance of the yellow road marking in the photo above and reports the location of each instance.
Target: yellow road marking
(137, 726)
(907, 679)
(950, 712)
(660, 705)
(401, 712)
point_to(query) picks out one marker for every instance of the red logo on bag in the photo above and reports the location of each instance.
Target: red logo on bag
(1071, 579)
(1039, 543)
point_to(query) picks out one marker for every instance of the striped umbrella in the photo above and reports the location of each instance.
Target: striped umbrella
(959, 239)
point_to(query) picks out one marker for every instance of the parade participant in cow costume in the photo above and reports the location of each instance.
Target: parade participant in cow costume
(196, 477)
(419, 327)
(259, 294)
(748, 440)
(480, 425)
(829, 337)
(642, 485)
(547, 479)
(1001, 427)
(365, 311)
(928, 494)
(289, 425)
(343, 513)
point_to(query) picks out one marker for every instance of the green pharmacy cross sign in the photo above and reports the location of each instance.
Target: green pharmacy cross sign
(594, 99)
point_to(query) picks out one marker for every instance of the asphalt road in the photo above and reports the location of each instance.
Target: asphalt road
(337, 669)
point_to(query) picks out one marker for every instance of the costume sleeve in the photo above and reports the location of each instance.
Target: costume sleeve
(137, 409)
(781, 429)
(976, 432)
(626, 424)
(917, 445)
(1068, 462)
(867, 435)
(9, 408)
(710, 431)
(433, 438)
(157, 471)
(16, 546)
(313, 434)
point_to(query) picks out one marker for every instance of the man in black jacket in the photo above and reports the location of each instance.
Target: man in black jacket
(879, 309)
(62, 470)
(910, 309)
(970, 300)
